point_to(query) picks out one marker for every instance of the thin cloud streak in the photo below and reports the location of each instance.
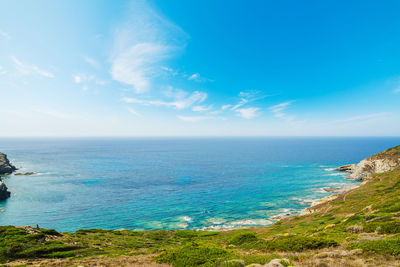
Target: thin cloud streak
(181, 103)
(27, 69)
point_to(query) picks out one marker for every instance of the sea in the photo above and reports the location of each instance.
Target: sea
(213, 183)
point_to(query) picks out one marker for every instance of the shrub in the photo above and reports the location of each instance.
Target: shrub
(379, 246)
(240, 239)
(193, 255)
(16, 243)
(383, 228)
(186, 234)
(298, 243)
(49, 232)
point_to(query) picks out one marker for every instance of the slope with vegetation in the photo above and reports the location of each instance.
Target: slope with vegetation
(359, 228)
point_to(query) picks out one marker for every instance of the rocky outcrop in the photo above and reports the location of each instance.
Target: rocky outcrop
(5, 166)
(387, 160)
(4, 194)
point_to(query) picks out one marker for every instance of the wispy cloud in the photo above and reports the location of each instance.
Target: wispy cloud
(279, 110)
(177, 103)
(2, 71)
(245, 98)
(363, 118)
(5, 35)
(142, 44)
(87, 79)
(91, 61)
(397, 90)
(224, 107)
(194, 77)
(28, 69)
(133, 111)
(202, 108)
(247, 113)
(198, 118)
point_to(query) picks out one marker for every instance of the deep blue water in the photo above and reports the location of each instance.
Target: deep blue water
(172, 183)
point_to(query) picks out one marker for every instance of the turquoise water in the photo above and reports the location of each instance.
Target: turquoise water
(172, 183)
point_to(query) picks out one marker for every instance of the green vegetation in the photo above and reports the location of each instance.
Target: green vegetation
(389, 246)
(17, 243)
(299, 243)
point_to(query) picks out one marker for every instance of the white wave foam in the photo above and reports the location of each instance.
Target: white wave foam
(329, 169)
(335, 174)
(186, 219)
(241, 224)
(216, 220)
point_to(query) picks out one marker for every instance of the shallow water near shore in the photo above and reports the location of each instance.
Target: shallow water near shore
(173, 183)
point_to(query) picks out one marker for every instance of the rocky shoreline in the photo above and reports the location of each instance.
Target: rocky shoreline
(385, 161)
(5, 168)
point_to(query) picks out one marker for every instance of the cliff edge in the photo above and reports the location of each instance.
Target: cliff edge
(5, 166)
(384, 161)
(4, 194)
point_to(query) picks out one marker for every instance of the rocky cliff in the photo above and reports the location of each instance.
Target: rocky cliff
(5, 166)
(385, 161)
(3, 191)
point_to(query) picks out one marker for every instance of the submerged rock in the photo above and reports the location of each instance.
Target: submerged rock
(4, 194)
(5, 166)
(25, 173)
(385, 161)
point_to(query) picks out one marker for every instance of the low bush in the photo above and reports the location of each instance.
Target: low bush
(391, 246)
(242, 238)
(194, 255)
(383, 228)
(298, 243)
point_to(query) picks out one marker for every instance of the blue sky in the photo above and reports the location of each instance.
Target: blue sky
(199, 68)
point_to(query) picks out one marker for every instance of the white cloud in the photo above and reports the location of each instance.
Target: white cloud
(241, 103)
(83, 78)
(201, 108)
(77, 79)
(92, 61)
(198, 118)
(278, 110)
(225, 107)
(247, 113)
(133, 111)
(178, 103)
(2, 71)
(170, 70)
(142, 44)
(30, 69)
(5, 35)
(247, 97)
(363, 118)
(194, 77)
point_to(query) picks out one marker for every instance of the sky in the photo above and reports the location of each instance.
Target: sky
(199, 68)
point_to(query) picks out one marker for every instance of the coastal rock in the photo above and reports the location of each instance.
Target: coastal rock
(346, 168)
(385, 161)
(235, 263)
(25, 173)
(4, 194)
(5, 166)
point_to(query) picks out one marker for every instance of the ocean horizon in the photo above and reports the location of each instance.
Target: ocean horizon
(208, 183)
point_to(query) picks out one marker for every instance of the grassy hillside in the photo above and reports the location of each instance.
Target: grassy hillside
(361, 226)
